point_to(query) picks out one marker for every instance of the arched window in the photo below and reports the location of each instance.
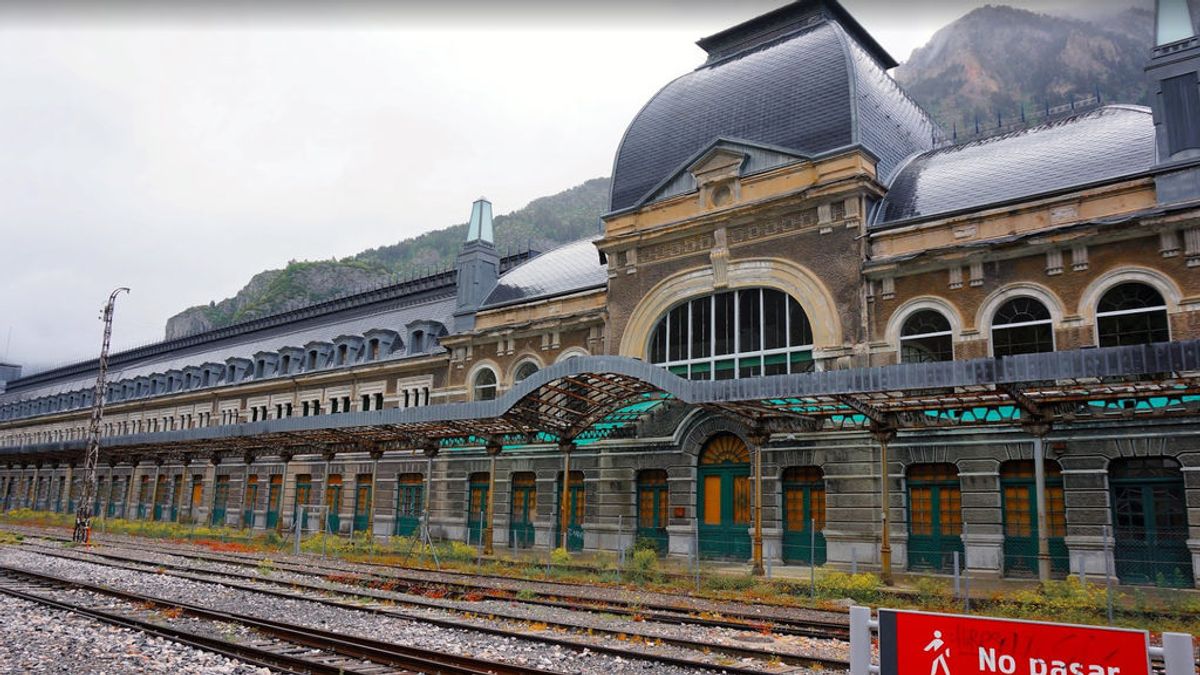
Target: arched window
(524, 370)
(743, 333)
(1131, 314)
(484, 385)
(926, 337)
(1022, 326)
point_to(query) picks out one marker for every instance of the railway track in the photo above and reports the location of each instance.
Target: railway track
(422, 581)
(283, 646)
(382, 603)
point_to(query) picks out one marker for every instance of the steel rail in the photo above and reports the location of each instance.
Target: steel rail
(658, 611)
(246, 653)
(377, 651)
(695, 645)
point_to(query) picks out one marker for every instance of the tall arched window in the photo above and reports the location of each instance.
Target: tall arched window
(743, 333)
(484, 386)
(926, 337)
(524, 370)
(1131, 314)
(1022, 326)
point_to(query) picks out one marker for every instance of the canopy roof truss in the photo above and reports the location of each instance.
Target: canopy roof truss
(586, 399)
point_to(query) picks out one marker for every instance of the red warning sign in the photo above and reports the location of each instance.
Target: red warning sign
(923, 643)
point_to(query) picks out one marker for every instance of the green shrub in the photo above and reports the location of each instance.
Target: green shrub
(560, 556)
(933, 592)
(458, 550)
(643, 566)
(863, 588)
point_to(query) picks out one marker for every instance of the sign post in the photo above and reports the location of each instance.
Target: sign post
(925, 643)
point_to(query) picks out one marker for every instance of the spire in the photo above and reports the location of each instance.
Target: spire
(480, 227)
(1174, 22)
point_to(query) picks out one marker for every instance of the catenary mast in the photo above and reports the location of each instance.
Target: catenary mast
(83, 517)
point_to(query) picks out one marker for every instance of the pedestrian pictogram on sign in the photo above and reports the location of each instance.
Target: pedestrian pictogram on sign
(941, 654)
(922, 643)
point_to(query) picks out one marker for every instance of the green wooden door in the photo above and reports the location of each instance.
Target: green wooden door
(143, 498)
(934, 517)
(333, 504)
(220, 500)
(274, 501)
(477, 489)
(303, 498)
(653, 505)
(160, 497)
(804, 516)
(575, 512)
(249, 503)
(362, 503)
(410, 502)
(114, 492)
(1150, 522)
(524, 508)
(1019, 492)
(723, 498)
(176, 497)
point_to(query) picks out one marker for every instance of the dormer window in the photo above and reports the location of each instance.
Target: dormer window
(417, 345)
(205, 379)
(259, 366)
(285, 365)
(312, 359)
(341, 354)
(373, 350)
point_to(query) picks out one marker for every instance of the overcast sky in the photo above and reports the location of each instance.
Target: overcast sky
(180, 152)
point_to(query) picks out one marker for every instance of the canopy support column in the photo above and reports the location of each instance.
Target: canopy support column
(493, 448)
(564, 514)
(884, 436)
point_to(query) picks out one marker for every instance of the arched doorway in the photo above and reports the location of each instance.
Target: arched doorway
(934, 517)
(410, 503)
(804, 515)
(477, 501)
(653, 496)
(1020, 517)
(1150, 521)
(524, 509)
(723, 498)
(576, 505)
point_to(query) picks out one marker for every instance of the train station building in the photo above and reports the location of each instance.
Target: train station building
(810, 317)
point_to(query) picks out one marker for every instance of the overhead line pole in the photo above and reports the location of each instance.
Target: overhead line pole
(83, 517)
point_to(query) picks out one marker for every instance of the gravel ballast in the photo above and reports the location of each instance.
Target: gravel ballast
(351, 622)
(38, 639)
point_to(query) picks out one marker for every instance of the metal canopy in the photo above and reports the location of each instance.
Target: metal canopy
(585, 399)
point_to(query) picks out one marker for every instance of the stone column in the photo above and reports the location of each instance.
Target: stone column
(33, 493)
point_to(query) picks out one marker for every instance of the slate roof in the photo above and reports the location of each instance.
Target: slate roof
(566, 269)
(394, 316)
(809, 85)
(1103, 144)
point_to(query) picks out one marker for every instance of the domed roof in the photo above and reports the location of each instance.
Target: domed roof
(805, 79)
(569, 268)
(1099, 145)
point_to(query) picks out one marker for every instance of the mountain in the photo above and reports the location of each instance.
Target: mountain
(543, 224)
(997, 58)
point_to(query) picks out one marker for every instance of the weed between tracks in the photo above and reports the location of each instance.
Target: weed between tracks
(1067, 600)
